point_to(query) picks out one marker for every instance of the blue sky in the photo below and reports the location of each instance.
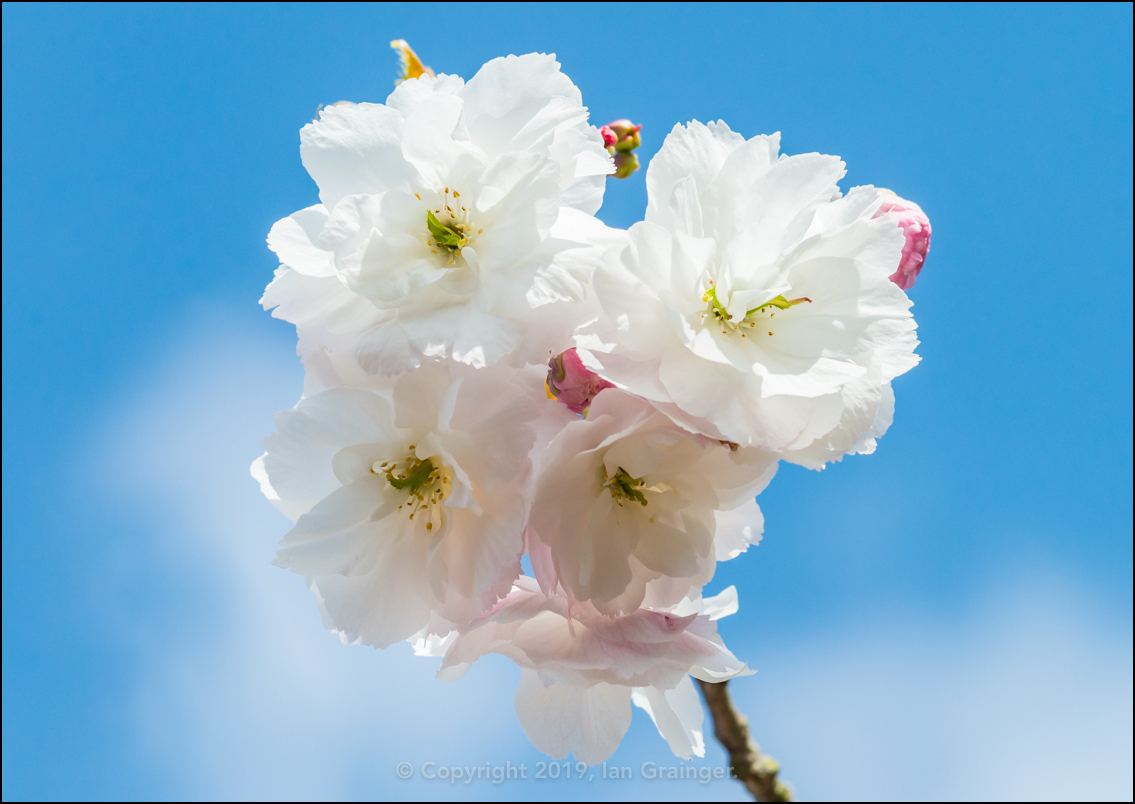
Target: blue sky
(948, 618)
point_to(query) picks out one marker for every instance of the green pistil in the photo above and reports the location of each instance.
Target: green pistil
(721, 314)
(446, 237)
(711, 297)
(779, 303)
(623, 486)
(417, 476)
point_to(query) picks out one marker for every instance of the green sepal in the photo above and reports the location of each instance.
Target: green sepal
(559, 372)
(626, 163)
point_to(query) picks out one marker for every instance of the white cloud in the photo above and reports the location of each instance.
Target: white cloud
(1024, 697)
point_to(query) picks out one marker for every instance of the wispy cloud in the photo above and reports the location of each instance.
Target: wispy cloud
(1026, 696)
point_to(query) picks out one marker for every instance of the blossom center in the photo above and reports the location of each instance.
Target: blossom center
(450, 229)
(426, 485)
(719, 315)
(624, 487)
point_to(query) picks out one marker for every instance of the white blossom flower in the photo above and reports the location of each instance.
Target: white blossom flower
(626, 497)
(753, 295)
(408, 505)
(448, 216)
(581, 669)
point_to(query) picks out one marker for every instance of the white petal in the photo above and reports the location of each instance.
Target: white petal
(721, 605)
(697, 151)
(385, 348)
(356, 149)
(677, 714)
(434, 141)
(391, 603)
(408, 95)
(432, 645)
(492, 407)
(419, 396)
(751, 189)
(295, 239)
(738, 529)
(517, 207)
(289, 509)
(869, 408)
(506, 94)
(587, 721)
(345, 532)
(469, 335)
(326, 313)
(299, 460)
(480, 544)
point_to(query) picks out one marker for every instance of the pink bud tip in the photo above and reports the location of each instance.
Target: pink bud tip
(609, 137)
(573, 383)
(916, 227)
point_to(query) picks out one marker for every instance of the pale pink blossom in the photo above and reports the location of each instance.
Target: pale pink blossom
(625, 499)
(581, 669)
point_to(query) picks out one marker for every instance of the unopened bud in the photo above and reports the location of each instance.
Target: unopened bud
(627, 136)
(573, 383)
(626, 163)
(412, 66)
(608, 135)
(916, 227)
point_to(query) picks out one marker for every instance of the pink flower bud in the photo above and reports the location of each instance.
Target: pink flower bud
(609, 137)
(573, 383)
(916, 226)
(627, 136)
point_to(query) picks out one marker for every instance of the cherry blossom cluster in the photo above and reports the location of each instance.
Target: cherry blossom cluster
(493, 373)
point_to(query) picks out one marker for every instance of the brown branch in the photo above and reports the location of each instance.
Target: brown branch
(758, 773)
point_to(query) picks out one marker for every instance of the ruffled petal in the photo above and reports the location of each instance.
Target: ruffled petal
(295, 239)
(356, 149)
